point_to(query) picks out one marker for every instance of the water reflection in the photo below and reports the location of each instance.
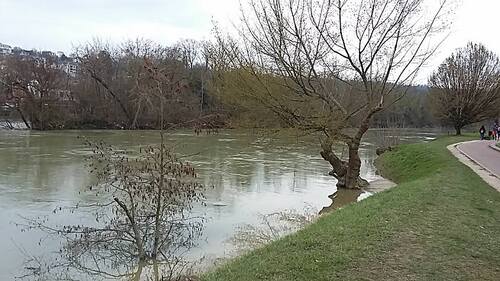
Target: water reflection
(341, 198)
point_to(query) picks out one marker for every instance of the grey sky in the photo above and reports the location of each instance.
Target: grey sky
(59, 24)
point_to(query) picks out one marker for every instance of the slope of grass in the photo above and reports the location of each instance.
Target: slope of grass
(441, 222)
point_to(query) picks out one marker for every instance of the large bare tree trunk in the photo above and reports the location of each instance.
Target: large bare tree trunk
(292, 55)
(353, 168)
(352, 178)
(347, 172)
(339, 166)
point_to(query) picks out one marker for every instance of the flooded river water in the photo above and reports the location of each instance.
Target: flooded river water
(246, 174)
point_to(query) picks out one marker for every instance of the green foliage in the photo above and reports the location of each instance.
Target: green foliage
(439, 223)
(249, 100)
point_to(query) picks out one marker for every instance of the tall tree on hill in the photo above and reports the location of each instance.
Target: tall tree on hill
(466, 87)
(329, 66)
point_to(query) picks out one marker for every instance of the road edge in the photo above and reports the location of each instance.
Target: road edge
(494, 147)
(489, 177)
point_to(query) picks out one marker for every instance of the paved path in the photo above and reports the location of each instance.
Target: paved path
(483, 154)
(481, 158)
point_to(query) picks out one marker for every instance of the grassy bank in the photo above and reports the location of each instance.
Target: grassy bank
(441, 222)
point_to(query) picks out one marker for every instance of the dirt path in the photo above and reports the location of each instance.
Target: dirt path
(481, 158)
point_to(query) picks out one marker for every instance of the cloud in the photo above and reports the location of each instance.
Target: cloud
(59, 24)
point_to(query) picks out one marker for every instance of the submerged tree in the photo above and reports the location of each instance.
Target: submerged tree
(144, 224)
(466, 87)
(328, 66)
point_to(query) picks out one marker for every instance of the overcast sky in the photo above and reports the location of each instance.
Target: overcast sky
(58, 25)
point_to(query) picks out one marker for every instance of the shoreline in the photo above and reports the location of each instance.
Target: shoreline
(438, 223)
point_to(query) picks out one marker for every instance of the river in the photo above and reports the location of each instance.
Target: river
(246, 174)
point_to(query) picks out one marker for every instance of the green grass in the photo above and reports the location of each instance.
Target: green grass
(441, 222)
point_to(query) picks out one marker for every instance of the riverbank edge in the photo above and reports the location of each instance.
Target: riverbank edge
(404, 233)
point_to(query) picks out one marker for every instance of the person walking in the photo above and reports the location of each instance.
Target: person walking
(498, 132)
(482, 132)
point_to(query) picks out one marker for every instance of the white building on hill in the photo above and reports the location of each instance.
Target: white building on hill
(5, 49)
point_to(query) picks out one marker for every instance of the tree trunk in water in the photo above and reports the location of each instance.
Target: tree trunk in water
(353, 179)
(346, 173)
(339, 166)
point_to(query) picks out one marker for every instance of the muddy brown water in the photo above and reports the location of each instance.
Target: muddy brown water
(247, 173)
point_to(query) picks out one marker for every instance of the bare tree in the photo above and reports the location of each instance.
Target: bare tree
(34, 84)
(144, 223)
(99, 60)
(134, 55)
(111, 76)
(144, 226)
(195, 55)
(329, 66)
(190, 51)
(466, 87)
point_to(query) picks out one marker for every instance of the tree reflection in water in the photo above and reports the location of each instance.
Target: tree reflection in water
(143, 226)
(342, 197)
